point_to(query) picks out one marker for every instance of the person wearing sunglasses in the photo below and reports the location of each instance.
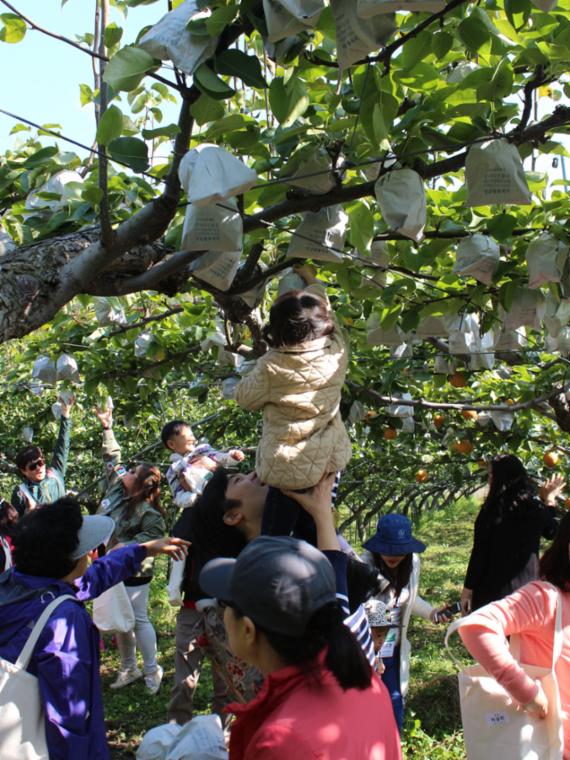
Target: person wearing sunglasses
(43, 484)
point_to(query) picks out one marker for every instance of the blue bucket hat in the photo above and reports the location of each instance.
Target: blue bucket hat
(393, 537)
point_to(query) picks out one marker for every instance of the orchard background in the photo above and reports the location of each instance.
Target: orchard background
(444, 372)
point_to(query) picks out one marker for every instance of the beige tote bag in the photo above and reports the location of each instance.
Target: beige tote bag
(495, 725)
(22, 726)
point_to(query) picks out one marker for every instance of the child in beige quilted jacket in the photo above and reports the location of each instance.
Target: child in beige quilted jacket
(298, 385)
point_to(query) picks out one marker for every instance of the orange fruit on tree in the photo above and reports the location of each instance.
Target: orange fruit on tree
(438, 421)
(390, 433)
(421, 476)
(567, 503)
(469, 414)
(551, 458)
(458, 380)
(463, 447)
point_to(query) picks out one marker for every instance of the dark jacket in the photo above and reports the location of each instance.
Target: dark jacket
(52, 487)
(505, 549)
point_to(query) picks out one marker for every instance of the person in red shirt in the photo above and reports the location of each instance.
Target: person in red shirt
(283, 615)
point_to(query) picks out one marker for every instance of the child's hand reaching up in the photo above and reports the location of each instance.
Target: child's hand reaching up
(236, 454)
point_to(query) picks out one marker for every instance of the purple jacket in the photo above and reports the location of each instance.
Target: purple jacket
(66, 658)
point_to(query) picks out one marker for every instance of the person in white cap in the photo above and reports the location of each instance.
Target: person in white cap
(52, 545)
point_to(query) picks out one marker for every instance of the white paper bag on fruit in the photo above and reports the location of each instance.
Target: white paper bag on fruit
(356, 412)
(67, 368)
(376, 273)
(368, 8)
(6, 243)
(316, 162)
(143, 343)
(28, 434)
(357, 37)
(563, 341)
(217, 269)
(285, 18)
(503, 421)
(229, 386)
(483, 354)
(401, 196)
(527, 310)
(401, 410)
(508, 341)
(459, 73)
(320, 235)
(107, 313)
(477, 256)
(463, 334)
(171, 40)
(494, 174)
(557, 315)
(433, 327)
(44, 370)
(444, 365)
(290, 281)
(545, 258)
(401, 351)
(61, 183)
(210, 174)
(212, 228)
(384, 336)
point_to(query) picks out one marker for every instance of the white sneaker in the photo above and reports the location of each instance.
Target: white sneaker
(153, 680)
(126, 677)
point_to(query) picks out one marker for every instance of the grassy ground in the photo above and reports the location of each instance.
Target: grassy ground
(433, 726)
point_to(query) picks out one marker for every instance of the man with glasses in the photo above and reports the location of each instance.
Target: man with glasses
(41, 484)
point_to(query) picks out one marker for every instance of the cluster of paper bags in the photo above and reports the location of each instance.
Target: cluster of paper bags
(48, 371)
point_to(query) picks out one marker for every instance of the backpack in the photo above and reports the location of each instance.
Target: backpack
(22, 722)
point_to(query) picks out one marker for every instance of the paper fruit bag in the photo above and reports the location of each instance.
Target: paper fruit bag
(433, 327)
(494, 174)
(44, 370)
(384, 336)
(171, 40)
(216, 268)
(527, 310)
(401, 196)
(316, 162)
(357, 37)
(67, 368)
(557, 315)
(212, 228)
(477, 256)
(459, 73)
(401, 410)
(320, 235)
(546, 257)
(209, 174)
(510, 341)
(285, 18)
(107, 314)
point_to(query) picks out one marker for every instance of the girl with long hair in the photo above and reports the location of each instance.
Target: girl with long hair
(132, 499)
(529, 612)
(507, 532)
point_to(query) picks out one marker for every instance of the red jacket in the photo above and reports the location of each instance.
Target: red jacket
(304, 713)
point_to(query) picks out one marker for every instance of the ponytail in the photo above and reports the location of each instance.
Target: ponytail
(344, 657)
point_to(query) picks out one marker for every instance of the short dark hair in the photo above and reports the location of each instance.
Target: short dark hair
(171, 429)
(210, 535)
(27, 455)
(45, 537)
(296, 317)
(555, 562)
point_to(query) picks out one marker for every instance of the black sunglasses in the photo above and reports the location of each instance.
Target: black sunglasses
(33, 466)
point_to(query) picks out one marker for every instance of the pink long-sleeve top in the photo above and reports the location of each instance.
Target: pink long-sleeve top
(530, 612)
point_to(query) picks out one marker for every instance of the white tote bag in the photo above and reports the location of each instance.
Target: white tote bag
(113, 611)
(22, 726)
(495, 726)
(175, 581)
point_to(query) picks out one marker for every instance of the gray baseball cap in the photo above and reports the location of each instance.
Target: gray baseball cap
(95, 530)
(278, 582)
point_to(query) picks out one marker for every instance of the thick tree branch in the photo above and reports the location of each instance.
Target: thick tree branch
(143, 322)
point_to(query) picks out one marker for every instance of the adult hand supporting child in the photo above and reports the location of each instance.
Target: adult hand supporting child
(318, 503)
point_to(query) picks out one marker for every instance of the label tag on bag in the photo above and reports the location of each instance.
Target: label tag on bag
(496, 719)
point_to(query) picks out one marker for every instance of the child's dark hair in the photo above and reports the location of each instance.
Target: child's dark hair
(296, 317)
(171, 429)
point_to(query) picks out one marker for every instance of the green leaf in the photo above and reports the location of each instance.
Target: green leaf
(501, 226)
(415, 50)
(110, 125)
(519, 7)
(237, 64)
(113, 34)
(14, 29)
(210, 83)
(41, 156)
(278, 99)
(500, 85)
(473, 33)
(92, 195)
(441, 44)
(288, 101)
(127, 68)
(130, 151)
(361, 227)
(85, 94)
(206, 109)
(168, 130)
(219, 19)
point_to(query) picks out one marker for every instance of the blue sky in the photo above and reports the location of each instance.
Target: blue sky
(41, 76)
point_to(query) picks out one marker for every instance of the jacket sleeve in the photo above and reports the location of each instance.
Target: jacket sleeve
(253, 390)
(65, 671)
(109, 570)
(532, 608)
(422, 608)
(549, 521)
(61, 450)
(152, 526)
(479, 554)
(111, 455)
(18, 501)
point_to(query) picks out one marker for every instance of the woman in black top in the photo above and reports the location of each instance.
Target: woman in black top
(507, 533)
